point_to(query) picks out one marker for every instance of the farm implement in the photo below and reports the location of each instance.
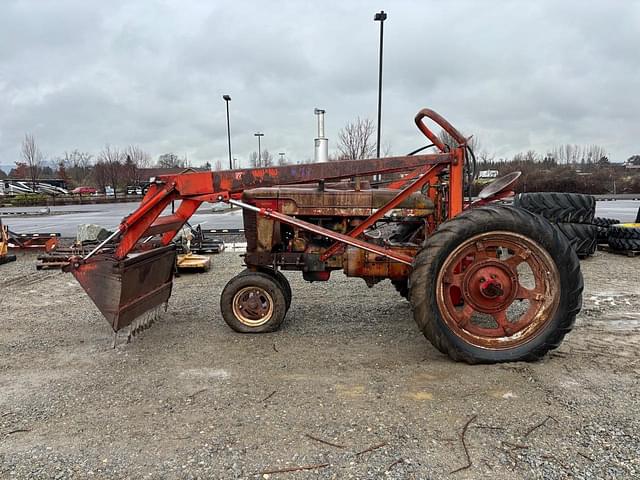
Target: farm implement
(486, 282)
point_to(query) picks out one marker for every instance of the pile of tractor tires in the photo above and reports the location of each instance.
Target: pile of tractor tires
(603, 225)
(573, 214)
(624, 237)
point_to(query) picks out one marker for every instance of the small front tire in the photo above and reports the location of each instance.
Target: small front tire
(253, 302)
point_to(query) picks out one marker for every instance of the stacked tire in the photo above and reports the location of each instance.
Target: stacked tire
(602, 227)
(572, 213)
(625, 237)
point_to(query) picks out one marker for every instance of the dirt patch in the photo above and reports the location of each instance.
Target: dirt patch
(348, 387)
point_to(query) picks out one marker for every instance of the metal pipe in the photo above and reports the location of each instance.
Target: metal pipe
(258, 134)
(227, 99)
(281, 217)
(380, 17)
(106, 240)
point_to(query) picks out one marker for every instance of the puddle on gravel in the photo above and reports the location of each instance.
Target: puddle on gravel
(607, 299)
(617, 321)
(205, 373)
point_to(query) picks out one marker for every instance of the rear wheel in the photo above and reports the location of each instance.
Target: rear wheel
(253, 302)
(496, 284)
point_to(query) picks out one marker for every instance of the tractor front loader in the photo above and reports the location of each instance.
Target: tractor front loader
(487, 283)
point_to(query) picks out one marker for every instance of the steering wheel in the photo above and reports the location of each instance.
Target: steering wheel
(442, 123)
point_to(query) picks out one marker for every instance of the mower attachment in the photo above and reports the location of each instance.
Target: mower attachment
(126, 289)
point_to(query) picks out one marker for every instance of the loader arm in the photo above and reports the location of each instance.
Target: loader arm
(197, 187)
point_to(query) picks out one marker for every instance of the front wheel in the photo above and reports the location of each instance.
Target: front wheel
(279, 277)
(253, 303)
(496, 284)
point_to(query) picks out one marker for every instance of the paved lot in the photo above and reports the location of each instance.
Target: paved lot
(189, 398)
(65, 219)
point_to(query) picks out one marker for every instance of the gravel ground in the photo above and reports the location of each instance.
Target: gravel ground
(189, 398)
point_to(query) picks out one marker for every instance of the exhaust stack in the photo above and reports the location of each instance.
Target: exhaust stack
(321, 152)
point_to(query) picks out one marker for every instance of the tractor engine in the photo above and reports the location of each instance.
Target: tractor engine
(339, 207)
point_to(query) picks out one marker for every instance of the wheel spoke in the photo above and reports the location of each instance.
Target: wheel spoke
(465, 315)
(454, 279)
(533, 295)
(501, 319)
(517, 258)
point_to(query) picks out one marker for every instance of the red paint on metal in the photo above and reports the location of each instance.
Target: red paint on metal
(399, 257)
(381, 212)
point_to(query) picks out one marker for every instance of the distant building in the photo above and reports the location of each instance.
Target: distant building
(633, 162)
(487, 176)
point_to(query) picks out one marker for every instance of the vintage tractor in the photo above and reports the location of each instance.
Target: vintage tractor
(487, 283)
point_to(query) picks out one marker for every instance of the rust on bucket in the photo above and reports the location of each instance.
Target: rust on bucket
(125, 289)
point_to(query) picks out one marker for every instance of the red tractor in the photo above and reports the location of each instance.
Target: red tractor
(487, 283)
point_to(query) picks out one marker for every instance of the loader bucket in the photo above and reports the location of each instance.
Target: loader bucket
(125, 289)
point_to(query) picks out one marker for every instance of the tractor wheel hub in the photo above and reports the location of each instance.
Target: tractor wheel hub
(490, 286)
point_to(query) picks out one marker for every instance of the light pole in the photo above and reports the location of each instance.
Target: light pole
(281, 158)
(227, 99)
(258, 134)
(380, 17)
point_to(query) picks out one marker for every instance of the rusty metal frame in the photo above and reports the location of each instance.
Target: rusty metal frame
(381, 212)
(339, 237)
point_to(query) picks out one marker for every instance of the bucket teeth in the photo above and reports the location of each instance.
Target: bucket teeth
(143, 322)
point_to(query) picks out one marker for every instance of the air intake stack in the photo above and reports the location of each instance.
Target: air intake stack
(321, 152)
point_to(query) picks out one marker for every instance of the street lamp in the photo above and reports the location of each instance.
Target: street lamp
(258, 134)
(227, 99)
(380, 17)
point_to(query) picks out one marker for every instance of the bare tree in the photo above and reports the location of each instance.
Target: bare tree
(354, 140)
(574, 154)
(449, 141)
(139, 157)
(112, 159)
(32, 156)
(531, 156)
(267, 158)
(100, 176)
(261, 161)
(171, 160)
(136, 158)
(78, 165)
(253, 160)
(282, 160)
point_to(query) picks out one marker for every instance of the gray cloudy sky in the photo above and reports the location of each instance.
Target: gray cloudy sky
(519, 75)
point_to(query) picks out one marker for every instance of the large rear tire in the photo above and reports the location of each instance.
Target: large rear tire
(624, 236)
(471, 291)
(582, 237)
(559, 207)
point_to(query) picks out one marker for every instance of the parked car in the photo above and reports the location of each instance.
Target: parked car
(134, 190)
(84, 191)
